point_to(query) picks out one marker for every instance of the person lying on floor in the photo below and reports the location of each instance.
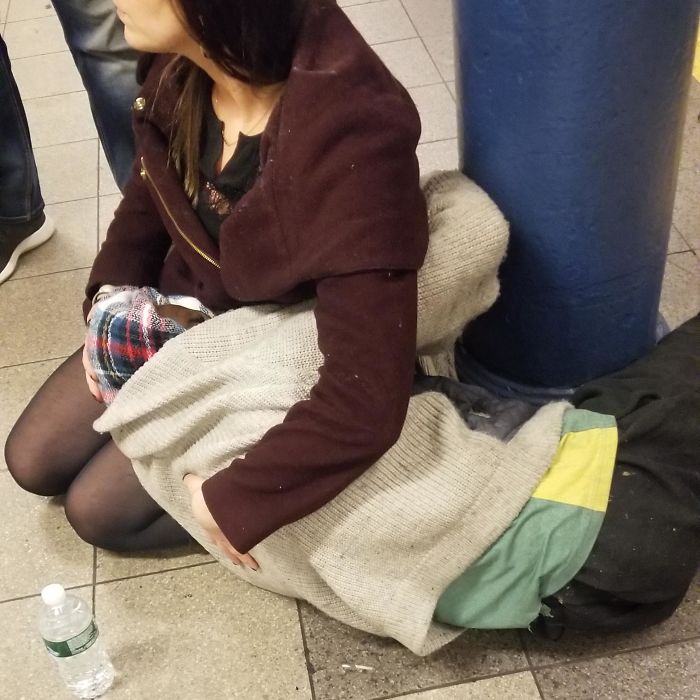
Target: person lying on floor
(610, 538)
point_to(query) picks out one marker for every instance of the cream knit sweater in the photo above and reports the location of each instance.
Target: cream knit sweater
(381, 553)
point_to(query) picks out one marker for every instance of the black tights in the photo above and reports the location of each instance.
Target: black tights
(54, 450)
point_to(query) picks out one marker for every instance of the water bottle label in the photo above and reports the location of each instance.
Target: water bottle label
(81, 642)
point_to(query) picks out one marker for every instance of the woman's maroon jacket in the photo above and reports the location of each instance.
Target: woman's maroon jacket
(337, 213)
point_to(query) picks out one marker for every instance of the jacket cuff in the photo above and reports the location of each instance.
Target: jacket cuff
(229, 511)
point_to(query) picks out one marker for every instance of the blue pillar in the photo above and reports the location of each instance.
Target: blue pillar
(571, 119)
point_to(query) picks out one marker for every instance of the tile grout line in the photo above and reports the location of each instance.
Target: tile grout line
(97, 223)
(53, 145)
(569, 662)
(425, 143)
(66, 143)
(26, 100)
(27, 19)
(34, 362)
(613, 654)
(430, 56)
(680, 233)
(451, 684)
(113, 580)
(14, 59)
(29, 596)
(679, 252)
(307, 658)
(526, 651)
(44, 274)
(94, 579)
(155, 573)
(420, 37)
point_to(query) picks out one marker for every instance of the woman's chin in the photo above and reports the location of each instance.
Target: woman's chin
(137, 42)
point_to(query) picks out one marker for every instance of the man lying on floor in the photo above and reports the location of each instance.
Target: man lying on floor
(608, 540)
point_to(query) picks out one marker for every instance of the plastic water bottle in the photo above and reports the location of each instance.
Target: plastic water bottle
(71, 637)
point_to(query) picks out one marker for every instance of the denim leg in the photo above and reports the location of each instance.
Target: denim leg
(20, 195)
(107, 66)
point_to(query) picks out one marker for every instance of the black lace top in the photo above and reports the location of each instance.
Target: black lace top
(218, 194)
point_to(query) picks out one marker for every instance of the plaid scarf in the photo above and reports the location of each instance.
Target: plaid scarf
(127, 328)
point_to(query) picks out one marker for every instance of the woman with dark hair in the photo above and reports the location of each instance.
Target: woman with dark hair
(275, 163)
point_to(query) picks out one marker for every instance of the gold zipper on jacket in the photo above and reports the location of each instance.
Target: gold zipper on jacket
(146, 176)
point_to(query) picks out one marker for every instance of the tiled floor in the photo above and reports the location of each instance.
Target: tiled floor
(177, 625)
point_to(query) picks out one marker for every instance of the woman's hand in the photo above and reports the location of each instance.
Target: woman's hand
(90, 376)
(206, 521)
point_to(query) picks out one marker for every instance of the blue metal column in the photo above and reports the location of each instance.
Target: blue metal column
(571, 120)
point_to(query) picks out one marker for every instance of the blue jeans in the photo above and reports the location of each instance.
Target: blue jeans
(107, 66)
(20, 196)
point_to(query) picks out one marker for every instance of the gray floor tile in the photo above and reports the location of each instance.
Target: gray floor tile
(686, 214)
(517, 686)
(27, 672)
(4, 5)
(438, 155)
(39, 546)
(60, 119)
(690, 157)
(441, 49)
(17, 386)
(680, 295)
(452, 88)
(111, 565)
(663, 673)
(430, 17)
(676, 242)
(201, 633)
(67, 171)
(33, 36)
(51, 311)
(72, 246)
(29, 9)
(686, 210)
(381, 21)
(43, 76)
(684, 624)
(394, 669)
(409, 62)
(438, 112)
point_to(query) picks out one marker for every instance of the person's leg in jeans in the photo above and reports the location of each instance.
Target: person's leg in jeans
(107, 66)
(648, 549)
(23, 225)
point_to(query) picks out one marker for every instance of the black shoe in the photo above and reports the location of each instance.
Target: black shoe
(16, 239)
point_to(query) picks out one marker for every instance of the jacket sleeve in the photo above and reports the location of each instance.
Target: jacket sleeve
(367, 334)
(136, 243)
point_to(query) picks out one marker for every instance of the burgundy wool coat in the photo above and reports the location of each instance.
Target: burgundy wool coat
(336, 213)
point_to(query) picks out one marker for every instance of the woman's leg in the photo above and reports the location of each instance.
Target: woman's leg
(108, 507)
(53, 449)
(53, 439)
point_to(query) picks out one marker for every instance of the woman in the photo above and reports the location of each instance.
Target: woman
(275, 163)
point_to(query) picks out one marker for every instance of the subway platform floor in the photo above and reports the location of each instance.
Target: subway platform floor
(178, 625)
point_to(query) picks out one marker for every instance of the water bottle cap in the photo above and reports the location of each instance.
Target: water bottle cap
(53, 594)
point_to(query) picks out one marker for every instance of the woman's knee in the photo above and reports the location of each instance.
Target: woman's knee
(29, 468)
(89, 519)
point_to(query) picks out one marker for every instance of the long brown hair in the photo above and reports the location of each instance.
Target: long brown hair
(252, 40)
